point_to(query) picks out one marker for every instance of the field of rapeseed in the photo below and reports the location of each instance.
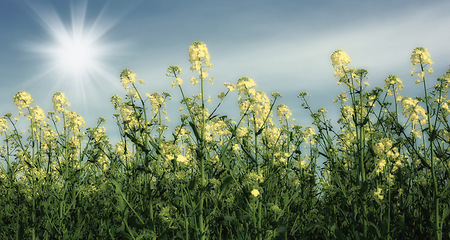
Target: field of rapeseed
(385, 170)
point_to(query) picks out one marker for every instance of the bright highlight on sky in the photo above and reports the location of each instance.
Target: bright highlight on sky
(80, 47)
(74, 50)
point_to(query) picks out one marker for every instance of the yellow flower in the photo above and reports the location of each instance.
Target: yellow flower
(420, 55)
(127, 76)
(235, 147)
(413, 110)
(198, 52)
(194, 81)
(381, 165)
(3, 126)
(283, 112)
(37, 114)
(339, 58)
(244, 84)
(182, 159)
(393, 80)
(242, 131)
(421, 74)
(115, 100)
(308, 133)
(59, 100)
(178, 81)
(378, 194)
(203, 74)
(230, 86)
(22, 99)
(255, 192)
(416, 133)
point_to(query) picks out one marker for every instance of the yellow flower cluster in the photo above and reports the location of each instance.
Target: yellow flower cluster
(255, 192)
(38, 118)
(124, 152)
(115, 100)
(309, 133)
(182, 159)
(194, 81)
(347, 112)
(395, 82)
(217, 127)
(259, 105)
(414, 111)
(3, 126)
(59, 100)
(177, 82)
(244, 84)
(378, 194)
(128, 77)
(420, 55)
(283, 113)
(129, 118)
(339, 58)
(22, 99)
(230, 86)
(198, 52)
(74, 122)
(157, 101)
(49, 136)
(385, 152)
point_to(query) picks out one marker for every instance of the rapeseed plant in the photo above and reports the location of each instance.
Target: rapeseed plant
(371, 176)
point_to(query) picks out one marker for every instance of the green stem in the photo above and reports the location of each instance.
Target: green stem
(433, 174)
(202, 161)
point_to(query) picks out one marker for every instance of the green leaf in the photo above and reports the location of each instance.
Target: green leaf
(226, 183)
(194, 129)
(445, 214)
(259, 131)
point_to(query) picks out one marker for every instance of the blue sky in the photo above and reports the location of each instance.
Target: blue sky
(285, 46)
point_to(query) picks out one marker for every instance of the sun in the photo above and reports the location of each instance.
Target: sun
(75, 51)
(77, 56)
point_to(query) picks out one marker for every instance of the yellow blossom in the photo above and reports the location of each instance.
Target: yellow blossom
(415, 133)
(283, 112)
(194, 81)
(22, 99)
(381, 165)
(59, 101)
(421, 74)
(178, 81)
(127, 76)
(3, 125)
(230, 86)
(244, 84)
(339, 58)
(235, 147)
(182, 159)
(420, 55)
(378, 194)
(255, 192)
(198, 52)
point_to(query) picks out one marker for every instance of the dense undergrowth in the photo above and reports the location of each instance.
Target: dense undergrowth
(385, 171)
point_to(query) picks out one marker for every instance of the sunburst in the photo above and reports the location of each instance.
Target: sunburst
(75, 53)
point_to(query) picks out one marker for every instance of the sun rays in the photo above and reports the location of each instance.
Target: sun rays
(76, 52)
